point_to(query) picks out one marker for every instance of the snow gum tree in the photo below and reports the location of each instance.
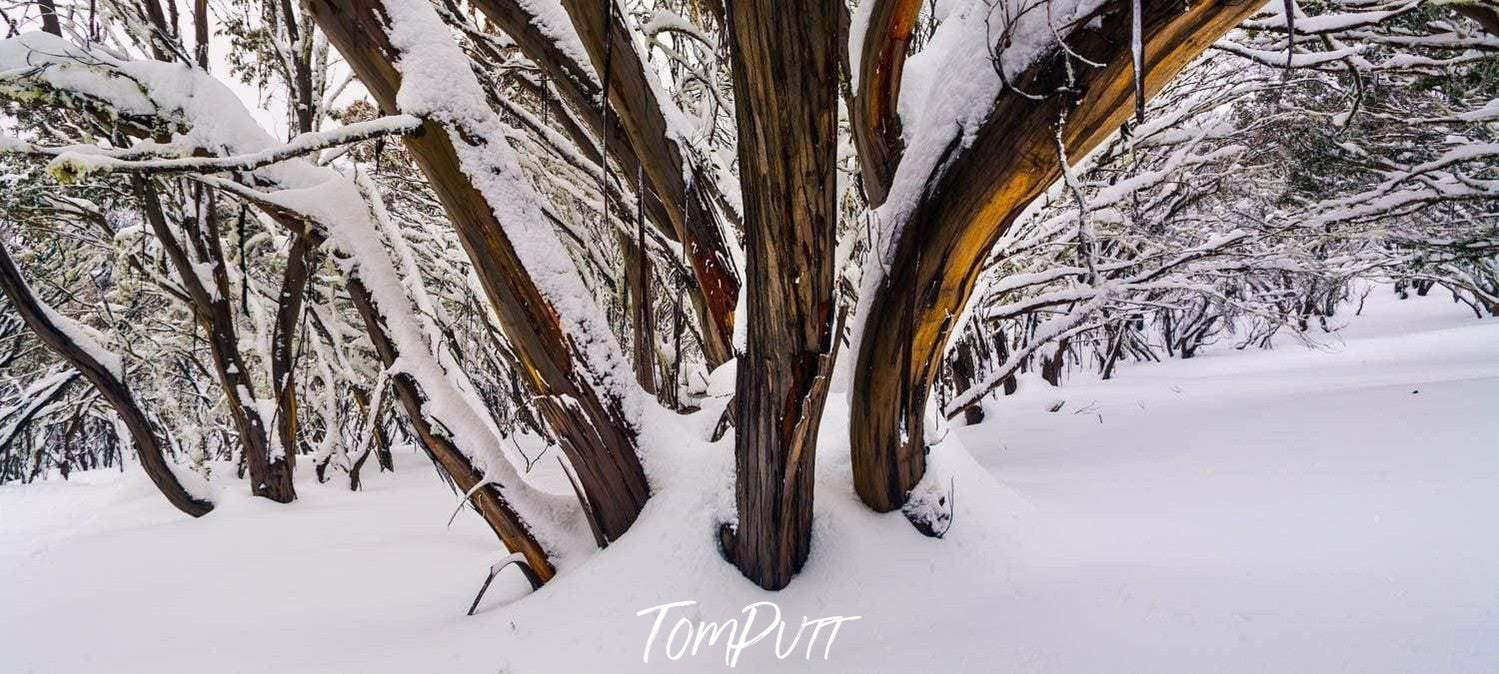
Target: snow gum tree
(558, 222)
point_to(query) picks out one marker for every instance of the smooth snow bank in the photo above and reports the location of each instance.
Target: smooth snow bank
(1298, 510)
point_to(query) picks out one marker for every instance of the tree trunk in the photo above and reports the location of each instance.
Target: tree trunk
(963, 373)
(498, 514)
(489, 500)
(294, 283)
(876, 122)
(270, 476)
(785, 79)
(641, 310)
(58, 337)
(979, 189)
(588, 421)
(380, 437)
(49, 17)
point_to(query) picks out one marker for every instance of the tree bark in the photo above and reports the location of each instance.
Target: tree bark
(786, 59)
(981, 188)
(589, 422)
(270, 476)
(111, 386)
(876, 124)
(638, 296)
(492, 506)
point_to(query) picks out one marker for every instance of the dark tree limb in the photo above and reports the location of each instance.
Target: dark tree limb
(109, 383)
(294, 284)
(492, 506)
(270, 477)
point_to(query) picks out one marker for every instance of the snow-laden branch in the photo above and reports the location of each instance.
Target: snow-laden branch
(301, 193)
(71, 164)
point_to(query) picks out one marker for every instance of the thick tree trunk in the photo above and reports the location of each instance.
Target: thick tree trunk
(786, 59)
(110, 384)
(981, 188)
(588, 421)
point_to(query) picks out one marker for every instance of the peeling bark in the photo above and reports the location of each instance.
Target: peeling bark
(786, 61)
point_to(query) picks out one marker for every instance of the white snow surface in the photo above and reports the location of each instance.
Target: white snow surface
(1301, 509)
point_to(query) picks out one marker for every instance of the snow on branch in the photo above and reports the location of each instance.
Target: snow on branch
(72, 164)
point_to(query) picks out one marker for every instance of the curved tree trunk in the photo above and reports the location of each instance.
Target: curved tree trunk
(876, 123)
(981, 189)
(62, 340)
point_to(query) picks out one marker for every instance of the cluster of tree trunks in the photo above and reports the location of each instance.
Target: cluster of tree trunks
(270, 467)
(785, 57)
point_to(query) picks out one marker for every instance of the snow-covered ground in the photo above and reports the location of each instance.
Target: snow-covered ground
(1299, 510)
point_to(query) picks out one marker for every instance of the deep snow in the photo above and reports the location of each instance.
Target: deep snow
(1310, 510)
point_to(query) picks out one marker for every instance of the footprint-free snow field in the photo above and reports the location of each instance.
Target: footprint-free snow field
(1323, 509)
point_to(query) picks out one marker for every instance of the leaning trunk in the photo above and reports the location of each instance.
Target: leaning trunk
(588, 419)
(110, 382)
